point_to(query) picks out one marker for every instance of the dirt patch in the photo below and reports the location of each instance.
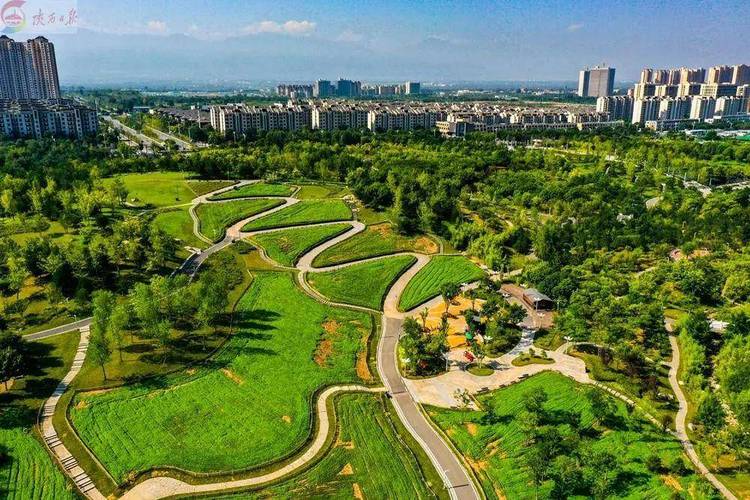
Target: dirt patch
(348, 470)
(331, 326)
(672, 482)
(190, 371)
(478, 466)
(363, 368)
(499, 493)
(382, 229)
(287, 419)
(325, 349)
(232, 376)
(325, 346)
(98, 391)
(347, 445)
(423, 244)
(357, 492)
(10, 386)
(472, 428)
(81, 405)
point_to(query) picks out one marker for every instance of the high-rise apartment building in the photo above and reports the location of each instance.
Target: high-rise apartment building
(719, 74)
(28, 70)
(617, 107)
(716, 90)
(740, 74)
(702, 108)
(412, 88)
(348, 88)
(596, 82)
(646, 109)
(322, 88)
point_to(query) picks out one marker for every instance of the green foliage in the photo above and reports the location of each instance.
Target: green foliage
(422, 351)
(364, 284)
(303, 212)
(441, 269)
(541, 434)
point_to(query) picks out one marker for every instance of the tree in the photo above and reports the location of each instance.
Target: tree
(423, 314)
(739, 325)
(12, 354)
(479, 352)
(537, 464)
(698, 327)
(711, 414)
(449, 291)
(602, 408)
(118, 322)
(100, 350)
(533, 401)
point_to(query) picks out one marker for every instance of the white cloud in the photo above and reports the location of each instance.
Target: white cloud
(349, 36)
(157, 26)
(291, 27)
(575, 27)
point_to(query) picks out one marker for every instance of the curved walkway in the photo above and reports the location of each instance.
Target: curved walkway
(457, 480)
(680, 427)
(56, 447)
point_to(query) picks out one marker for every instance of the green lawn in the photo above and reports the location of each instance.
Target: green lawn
(178, 224)
(248, 407)
(364, 284)
(369, 451)
(320, 191)
(287, 245)
(376, 240)
(216, 217)
(441, 269)
(303, 212)
(257, 189)
(495, 444)
(162, 189)
(30, 472)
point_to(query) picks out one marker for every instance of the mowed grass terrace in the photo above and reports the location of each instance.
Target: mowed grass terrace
(374, 241)
(362, 284)
(163, 189)
(29, 472)
(440, 270)
(215, 218)
(303, 213)
(369, 458)
(255, 189)
(287, 245)
(494, 443)
(250, 405)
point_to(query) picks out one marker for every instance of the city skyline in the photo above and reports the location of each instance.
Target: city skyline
(508, 41)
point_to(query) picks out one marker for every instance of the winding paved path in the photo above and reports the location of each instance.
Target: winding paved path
(680, 427)
(457, 480)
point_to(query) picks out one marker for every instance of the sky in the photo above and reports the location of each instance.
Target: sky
(121, 41)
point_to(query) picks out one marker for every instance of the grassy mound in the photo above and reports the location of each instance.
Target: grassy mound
(364, 284)
(304, 212)
(216, 217)
(248, 406)
(257, 189)
(286, 246)
(178, 224)
(374, 241)
(441, 269)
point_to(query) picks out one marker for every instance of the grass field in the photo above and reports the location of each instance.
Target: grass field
(162, 189)
(496, 451)
(368, 457)
(363, 284)
(441, 269)
(287, 245)
(303, 212)
(178, 224)
(376, 240)
(249, 406)
(29, 472)
(320, 191)
(216, 217)
(256, 189)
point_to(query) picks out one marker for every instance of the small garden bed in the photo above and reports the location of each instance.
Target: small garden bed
(532, 358)
(479, 371)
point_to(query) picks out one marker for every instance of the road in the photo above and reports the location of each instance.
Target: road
(76, 325)
(182, 144)
(146, 140)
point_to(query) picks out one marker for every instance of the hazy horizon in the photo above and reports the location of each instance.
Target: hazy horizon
(134, 41)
